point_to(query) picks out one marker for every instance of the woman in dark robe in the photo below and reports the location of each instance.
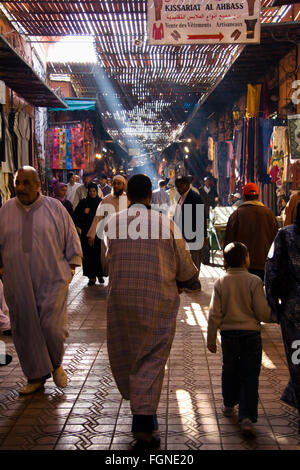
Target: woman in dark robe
(83, 218)
(59, 193)
(282, 281)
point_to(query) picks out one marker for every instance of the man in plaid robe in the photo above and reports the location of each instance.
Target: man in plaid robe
(148, 265)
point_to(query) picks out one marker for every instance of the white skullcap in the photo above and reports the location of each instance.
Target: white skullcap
(120, 178)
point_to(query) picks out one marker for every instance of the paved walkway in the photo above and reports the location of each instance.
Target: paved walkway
(90, 414)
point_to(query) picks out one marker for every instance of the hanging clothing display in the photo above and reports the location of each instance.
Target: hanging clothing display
(77, 134)
(253, 100)
(260, 155)
(8, 165)
(55, 149)
(30, 148)
(279, 150)
(88, 139)
(210, 145)
(68, 149)
(265, 100)
(4, 187)
(11, 149)
(48, 142)
(294, 135)
(24, 128)
(237, 150)
(223, 155)
(279, 141)
(295, 174)
(70, 146)
(19, 138)
(265, 134)
(14, 138)
(62, 149)
(2, 135)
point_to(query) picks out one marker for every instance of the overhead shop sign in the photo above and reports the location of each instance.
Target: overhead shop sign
(176, 22)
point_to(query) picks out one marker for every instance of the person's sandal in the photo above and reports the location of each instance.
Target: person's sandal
(247, 428)
(31, 388)
(153, 444)
(228, 411)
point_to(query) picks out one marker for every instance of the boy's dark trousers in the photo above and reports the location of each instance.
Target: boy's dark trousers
(242, 353)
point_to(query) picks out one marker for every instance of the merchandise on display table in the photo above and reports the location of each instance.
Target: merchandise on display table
(218, 218)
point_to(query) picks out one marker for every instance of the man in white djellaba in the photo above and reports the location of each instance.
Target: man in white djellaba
(39, 248)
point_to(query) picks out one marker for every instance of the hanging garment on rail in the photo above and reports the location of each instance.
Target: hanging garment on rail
(48, 137)
(19, 137)
(223, 179)
(62, 149)
(294, 135)
(77, 133)
(24, 127)
(8, 165)
(55, 149)
(88, 139)
(68, 149)
(253, 100)
(2, 135)
(14, 138)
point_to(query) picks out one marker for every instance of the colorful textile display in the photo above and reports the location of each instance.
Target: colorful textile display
(70, 147)
(62, 149)
(88, 138)
(55, 149)
(259, 155)
(68, 150)
(77, 133)
(268, 195)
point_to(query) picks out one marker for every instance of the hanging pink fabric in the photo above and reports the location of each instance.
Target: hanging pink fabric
(77, 134)
(55, 149)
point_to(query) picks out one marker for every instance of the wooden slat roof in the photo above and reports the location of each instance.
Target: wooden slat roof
(153, 89)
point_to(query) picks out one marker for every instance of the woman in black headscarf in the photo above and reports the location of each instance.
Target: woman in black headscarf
(83, 218)
(283, 293)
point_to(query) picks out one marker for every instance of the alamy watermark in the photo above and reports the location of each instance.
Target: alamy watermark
(296, 354)
(2, 353)
(296, 93)
(135, 223)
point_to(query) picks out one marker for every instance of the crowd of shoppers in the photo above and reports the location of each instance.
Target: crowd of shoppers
(147, 269)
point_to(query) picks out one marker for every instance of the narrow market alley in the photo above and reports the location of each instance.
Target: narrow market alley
(90, 414)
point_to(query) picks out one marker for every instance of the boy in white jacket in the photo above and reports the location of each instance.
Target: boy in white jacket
(237, 307)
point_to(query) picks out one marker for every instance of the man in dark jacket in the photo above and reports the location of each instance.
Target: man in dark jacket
(189, 216)
(208, 195)
(254, 225)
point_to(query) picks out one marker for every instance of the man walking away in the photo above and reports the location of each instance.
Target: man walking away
(191, 220)
(254, 225)
(145, 269)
